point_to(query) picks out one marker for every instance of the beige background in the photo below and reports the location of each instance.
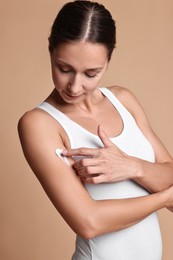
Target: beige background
(30, 227)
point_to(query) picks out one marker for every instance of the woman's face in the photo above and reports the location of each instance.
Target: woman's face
(77, 69)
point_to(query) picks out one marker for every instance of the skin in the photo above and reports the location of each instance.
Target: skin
(152, 176)
(76, 78)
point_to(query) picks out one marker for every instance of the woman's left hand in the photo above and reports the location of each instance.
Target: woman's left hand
(100, 165)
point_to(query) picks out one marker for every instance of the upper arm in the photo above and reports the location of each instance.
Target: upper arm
(39, 139)
(135, 108)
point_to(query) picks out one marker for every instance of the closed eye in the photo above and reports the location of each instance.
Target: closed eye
(86, 74)
(91, 76)
(64, 70)
(91, 73)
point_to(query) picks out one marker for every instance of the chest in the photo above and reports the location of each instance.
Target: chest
(105, 115)
(123, 132)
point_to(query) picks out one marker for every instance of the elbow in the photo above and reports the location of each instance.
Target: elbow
(87, 232)
(88, 229)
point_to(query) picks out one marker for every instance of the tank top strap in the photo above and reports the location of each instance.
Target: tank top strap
(57, 115)
(76, 133)
(115, 102)
(67, 123)
(126, 116)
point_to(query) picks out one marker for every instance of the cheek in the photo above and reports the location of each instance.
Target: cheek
(92, 84)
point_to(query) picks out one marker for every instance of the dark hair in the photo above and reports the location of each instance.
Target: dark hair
(83, 20)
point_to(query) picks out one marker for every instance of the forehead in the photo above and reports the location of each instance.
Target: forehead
(82, 54)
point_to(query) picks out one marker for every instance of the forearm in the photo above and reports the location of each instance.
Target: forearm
(153, 176)
(114, 215)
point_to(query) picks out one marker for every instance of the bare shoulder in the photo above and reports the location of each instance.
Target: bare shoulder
(129, 100)
(29, 121)
(33, 118)
(39, 132)
(38, 122)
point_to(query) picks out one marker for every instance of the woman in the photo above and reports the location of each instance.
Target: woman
(115, 219)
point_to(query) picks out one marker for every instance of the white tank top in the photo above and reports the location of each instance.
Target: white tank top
(141, 241)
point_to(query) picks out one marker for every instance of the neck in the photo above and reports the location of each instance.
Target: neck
(88, 105)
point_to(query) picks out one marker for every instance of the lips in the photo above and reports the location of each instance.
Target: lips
(73, 96)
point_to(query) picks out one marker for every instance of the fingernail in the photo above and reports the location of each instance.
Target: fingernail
(64, 152)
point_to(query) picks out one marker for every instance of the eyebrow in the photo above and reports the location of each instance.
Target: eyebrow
(66, 64)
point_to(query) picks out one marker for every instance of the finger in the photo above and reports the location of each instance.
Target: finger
(83, 174)
(88, 152)
(85, 162)
(89, 171)
(94, 180)
(104, 138)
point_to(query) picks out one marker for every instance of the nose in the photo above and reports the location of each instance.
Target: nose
(75, 84)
